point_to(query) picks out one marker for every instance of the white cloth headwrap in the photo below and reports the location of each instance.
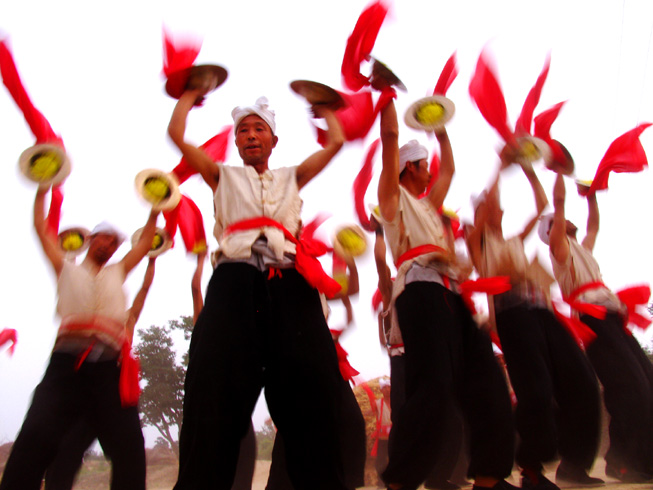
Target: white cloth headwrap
(544, 227)
(411, 152)
(260, 109)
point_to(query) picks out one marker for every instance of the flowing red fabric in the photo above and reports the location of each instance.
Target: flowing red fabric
(542, 129)
(416, 252)
(356, 118)
(375, 435)
(339, 265)
(486, 93)
(360, 44)
(377, 298)
(37, 122)
(307, 251)
(361, 183)
(633, 297)
(487, 285)
(130, 372)
(597, 311)
(216, 148)
(191, 226)
(581, 333)
(448, 75)
(346, 369)
(187, 217)
(494, 337)
(625, 154)
(54, 215)
(172, 221)
(525, 120)
(179, 55)
(9, 335)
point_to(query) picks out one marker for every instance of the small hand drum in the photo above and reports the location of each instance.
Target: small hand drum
(158, 188)
(46, 164)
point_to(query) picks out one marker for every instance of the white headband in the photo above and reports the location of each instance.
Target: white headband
(411, 152)
(260, 109)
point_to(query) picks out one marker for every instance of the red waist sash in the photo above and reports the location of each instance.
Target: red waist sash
(307, 251)
(416, 252)
(130, 367)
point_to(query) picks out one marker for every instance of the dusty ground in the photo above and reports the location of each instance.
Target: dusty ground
(162, 477)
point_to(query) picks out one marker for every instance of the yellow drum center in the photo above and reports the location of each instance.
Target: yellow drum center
(72, 242)
(156, 189)
(157, 242)
(529, 150)
(45, 165)
(351, 241)
(429, 114)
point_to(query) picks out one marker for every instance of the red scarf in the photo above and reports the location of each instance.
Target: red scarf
(307, 251)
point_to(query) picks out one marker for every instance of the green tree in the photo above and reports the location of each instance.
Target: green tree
(161, 402)
(265, 441)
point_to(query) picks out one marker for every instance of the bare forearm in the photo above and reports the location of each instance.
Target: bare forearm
(177, 125)
(388, 192)
(39, 213)
(447, 164)
(593, 217)
(314, 164)
(541, 200)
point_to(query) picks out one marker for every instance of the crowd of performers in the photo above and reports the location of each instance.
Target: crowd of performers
(262, 323)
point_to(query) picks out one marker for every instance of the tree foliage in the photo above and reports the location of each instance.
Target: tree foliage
(161, 401)
(265, 441)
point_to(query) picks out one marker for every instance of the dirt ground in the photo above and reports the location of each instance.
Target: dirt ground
(163, 477)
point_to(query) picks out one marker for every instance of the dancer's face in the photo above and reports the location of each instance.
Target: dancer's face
(421, 172)
(254, 140)
(102, 247)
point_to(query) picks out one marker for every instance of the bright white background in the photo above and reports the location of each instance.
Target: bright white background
(94, 70)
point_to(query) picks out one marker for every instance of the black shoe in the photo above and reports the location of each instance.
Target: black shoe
(502, 485)
(627, 475)
(442, 485)
(575, 476)
(540, 482)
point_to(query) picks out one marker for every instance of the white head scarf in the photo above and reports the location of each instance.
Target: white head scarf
(260, 109)
(411, 152)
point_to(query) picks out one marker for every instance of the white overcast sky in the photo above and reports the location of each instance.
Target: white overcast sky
(94, 70)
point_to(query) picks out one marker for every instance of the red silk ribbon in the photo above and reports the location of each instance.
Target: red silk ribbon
(307, 251)
(416, 252)
(9, 335)
(487, 285)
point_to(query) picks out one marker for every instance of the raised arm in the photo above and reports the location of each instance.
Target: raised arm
(382, 269)
(353, 286)
(558, 241)
(474, 234)
(541, 202)
(137, 306)
(52, 251)
(314, 164)
(447, 169)
(388, 192)
(196, 286)
(142, 247)
(592, 222)
(195, 156)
